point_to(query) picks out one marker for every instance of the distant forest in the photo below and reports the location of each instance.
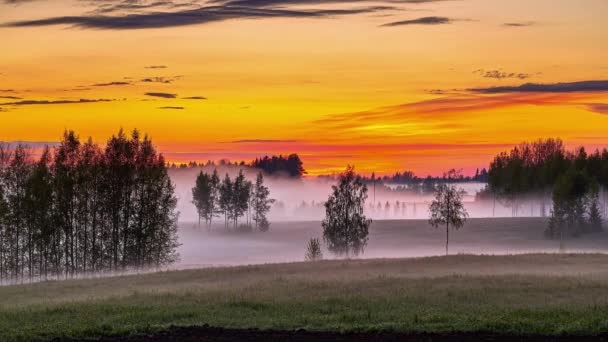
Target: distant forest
(287, 166)
(80, 208)
(571, 182)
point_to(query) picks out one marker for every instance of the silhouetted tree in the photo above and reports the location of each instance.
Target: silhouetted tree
(261, 203)
(345, 227)
(226, 201)
(81, 209)
(447, 210)
(291, 165)
(595, 216)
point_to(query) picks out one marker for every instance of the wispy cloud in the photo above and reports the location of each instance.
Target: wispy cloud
(31, 144)
(600, 108)
(172, 107)
(565, 87)
(196, 16)
(162, 95)
(500, 74)
(53, 102)
(519, 24)
(265, 141)
(110, 84)
(421, 21)
(441, 113)
(160, 79)
(194, 98)
(156, 67)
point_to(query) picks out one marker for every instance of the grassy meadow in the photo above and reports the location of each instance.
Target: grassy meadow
(546, 294)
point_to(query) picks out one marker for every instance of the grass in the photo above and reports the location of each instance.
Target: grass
(526, 294)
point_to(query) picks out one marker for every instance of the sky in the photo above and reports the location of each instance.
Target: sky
(386, 85)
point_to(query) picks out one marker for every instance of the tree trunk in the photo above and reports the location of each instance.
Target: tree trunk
(447, 238)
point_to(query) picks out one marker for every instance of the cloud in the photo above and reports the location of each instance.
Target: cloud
(566, 87)
(134, 5)
(31, 144)
(171, 107)
(435, 113)
(161, 79)
(163, 95)
(7, 90)
(202, 15)
(194, 98)
(10, 97)
(519, 24)
(265, 141)
(110, 84)
(421, 21)
(53, 102)
(267, 3)
(156, 67)
(500, 74)
(600, 108)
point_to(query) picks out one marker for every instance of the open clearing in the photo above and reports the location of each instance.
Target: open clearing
(286, 241)
(526, 294)
(476, 295)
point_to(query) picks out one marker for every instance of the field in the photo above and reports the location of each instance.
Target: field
(286, 241)
(541, 294)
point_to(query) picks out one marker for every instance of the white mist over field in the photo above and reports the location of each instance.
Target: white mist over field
(399, 231)
(302, 199)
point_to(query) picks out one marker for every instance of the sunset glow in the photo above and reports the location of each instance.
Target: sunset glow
(385, 85)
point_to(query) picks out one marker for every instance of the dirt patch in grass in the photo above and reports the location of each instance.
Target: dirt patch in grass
(191, 334)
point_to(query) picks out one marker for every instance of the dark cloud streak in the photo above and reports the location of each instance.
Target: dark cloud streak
(201, 15)
(421, 21)
(162, 95)
(172, 107)
(53, 102)
(566, 87)
(194, 98)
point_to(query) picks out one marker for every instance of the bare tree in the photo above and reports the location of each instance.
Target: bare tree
(447, 209)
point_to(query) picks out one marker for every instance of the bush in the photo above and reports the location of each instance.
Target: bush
(313, 250)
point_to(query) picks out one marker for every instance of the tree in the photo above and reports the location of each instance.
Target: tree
(345, 227)
(595, 216)
(225, 200)
(313, 250)
(261, 203)
(241, 190)
(447, 209)
(81, 209)
(205, 196)
(39, 203)
(290, 166)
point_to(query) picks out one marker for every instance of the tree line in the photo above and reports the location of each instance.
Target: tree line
(571, 180)
(290, 166)
(82, 208)
(233, 199)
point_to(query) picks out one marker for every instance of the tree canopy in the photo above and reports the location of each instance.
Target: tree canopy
(345, 227)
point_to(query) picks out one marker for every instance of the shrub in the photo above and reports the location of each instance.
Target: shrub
(313, 250)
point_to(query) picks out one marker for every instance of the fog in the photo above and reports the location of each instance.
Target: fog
(286, 241)
(401, 231)
(302, 199)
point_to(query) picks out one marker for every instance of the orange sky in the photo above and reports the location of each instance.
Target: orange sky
(385, 85)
